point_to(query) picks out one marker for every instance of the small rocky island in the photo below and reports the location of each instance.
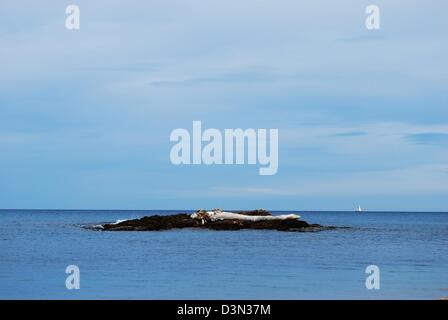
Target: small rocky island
(217, 219)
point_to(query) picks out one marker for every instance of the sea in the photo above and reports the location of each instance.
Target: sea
(409, 250)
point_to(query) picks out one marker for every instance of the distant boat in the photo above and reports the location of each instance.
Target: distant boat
(359, 209)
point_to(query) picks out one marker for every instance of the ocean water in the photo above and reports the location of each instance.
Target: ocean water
(36, 246)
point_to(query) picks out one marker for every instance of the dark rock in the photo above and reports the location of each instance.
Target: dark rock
(257, 212)
(183, 220)
(154, 223)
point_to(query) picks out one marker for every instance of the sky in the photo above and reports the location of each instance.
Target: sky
(86, 115)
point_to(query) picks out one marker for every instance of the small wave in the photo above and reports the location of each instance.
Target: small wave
(119, 221)
(101, 226)
(93, 227)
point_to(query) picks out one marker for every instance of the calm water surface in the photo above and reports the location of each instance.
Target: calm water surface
(411, 250)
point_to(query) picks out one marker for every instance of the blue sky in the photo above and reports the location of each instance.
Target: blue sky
(85, 116)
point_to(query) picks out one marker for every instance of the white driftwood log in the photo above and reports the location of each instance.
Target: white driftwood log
(223, 215)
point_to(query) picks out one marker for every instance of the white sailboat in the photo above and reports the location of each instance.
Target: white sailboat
(359, 209)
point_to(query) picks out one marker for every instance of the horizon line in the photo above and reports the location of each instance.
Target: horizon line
(270, 210)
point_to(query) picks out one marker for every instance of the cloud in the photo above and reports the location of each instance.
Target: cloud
(237, 77)
(429, 138)
(417, 180)
(363, 38)
(350, 134)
